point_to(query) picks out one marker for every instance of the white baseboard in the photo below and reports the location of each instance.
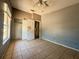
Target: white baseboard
(62, 45)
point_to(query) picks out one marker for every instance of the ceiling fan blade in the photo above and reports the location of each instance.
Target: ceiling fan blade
(41, 1)
(46, 3)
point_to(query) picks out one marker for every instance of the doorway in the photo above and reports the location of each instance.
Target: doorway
(36, 29)
(18, 29)
(27, 29)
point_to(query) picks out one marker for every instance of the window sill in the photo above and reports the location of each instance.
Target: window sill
(5, 41)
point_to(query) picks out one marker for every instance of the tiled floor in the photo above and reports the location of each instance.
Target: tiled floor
(38, 49)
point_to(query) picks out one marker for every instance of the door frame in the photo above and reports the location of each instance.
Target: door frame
(37, 30)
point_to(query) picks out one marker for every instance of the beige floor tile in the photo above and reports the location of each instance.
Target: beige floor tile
(17, 57)
(38, 49)
(7, 57)
(76, 56)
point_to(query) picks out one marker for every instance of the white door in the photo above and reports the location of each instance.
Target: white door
(27, 29)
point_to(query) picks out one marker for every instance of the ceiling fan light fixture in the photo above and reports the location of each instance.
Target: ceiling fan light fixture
(39, 6)
(32, 10)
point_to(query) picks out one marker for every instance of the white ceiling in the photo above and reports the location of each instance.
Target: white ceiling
(54, 5)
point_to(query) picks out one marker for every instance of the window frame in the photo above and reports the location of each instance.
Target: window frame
(6, 23)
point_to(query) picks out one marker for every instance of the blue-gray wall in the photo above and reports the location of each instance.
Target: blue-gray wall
(62, 26)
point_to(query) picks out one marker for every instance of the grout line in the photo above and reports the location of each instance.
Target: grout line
(13, 48)
(12, 52)
(21, 53)
(62, 54)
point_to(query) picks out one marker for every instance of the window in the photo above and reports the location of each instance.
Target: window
(7, 20)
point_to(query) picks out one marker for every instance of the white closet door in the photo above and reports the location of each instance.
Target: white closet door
(28, 29)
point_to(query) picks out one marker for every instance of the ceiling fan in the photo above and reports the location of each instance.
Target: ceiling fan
(42, 2)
